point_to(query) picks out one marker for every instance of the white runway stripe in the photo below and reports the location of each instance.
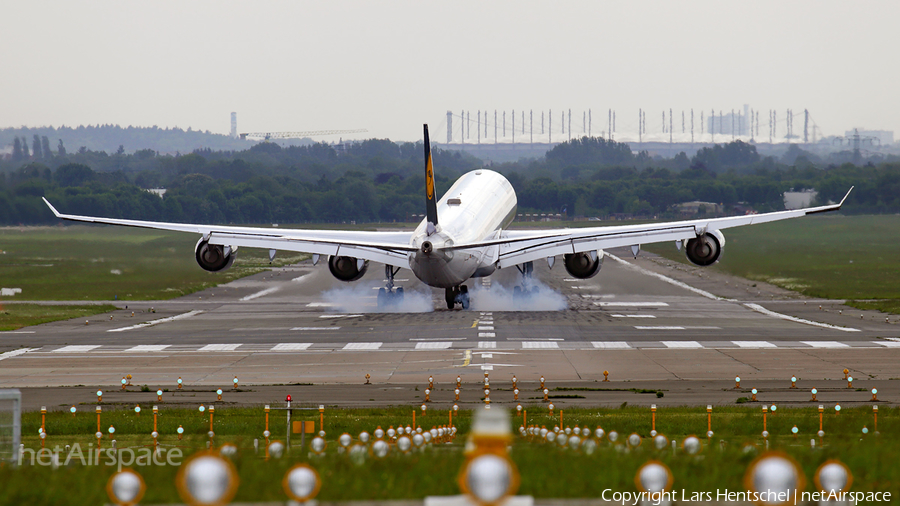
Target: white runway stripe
(485, 327)
(77, 348)
(440, 345)
(754, 344)
(362, 346)
(682, 344)
(633, 316)
(22, 351)
(825, 344)
(540, 345)
(315, 328)
(631, 304)
(767, 312)
(493, 344)
(147, 348)
(888, 344)
(610, 345)
(157, 322)
(660, 327)
(261, 293)
(487, 334)
(219, 347)
(291, 346)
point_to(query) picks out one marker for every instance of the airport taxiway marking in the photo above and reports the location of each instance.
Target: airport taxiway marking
(261, 293)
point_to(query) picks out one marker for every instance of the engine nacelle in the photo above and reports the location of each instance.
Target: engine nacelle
(347, 268)
(214, 257)
(706, 249)
(583, 265)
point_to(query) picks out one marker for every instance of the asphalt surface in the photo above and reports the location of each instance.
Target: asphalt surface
(650, 323)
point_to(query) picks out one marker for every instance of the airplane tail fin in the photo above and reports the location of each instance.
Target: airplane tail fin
(430, 197)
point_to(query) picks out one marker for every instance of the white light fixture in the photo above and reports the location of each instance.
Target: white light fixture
(833, 476)
(206, 479)
(775, 475)
(488, 479)
(125, 488)
(301, 483)
(653, 477)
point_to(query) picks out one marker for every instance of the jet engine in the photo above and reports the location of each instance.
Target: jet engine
(583, 265)
(347, 268)
(705, 250)
(214, 257)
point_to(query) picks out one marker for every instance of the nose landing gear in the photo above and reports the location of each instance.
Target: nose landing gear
(389, 295)
(457, 295)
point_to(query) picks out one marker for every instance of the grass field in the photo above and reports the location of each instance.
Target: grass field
(830, 256)
(111, 263)
(546, 471)
(16, 316)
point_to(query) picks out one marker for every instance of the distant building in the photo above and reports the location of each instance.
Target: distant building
(799, 200)
(697, 207)
(157, 191)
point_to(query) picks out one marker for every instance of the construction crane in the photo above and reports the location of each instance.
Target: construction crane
(297, 135)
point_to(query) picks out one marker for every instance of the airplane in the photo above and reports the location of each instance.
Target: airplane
(464, 235)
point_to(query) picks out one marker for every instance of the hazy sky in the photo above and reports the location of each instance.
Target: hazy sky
(390, 66)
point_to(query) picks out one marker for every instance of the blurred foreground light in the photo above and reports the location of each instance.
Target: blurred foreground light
(404, 444)
(775, 477)
(363, 437)
(345, 440)
(634, 440)
(589, 446)
(599, 433)
(652, 477)
(380, 448)
(691, 445)
(276, 449)
(206, 479)
(660, 442)
(418, 440)
(574, 442)
(613, 436)
(125, 488)
(488, 479)
(551, 436)
(317, 445)
(301, 483)
(833, 476)
(228, 450)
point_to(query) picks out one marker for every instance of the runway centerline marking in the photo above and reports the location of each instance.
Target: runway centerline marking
(76, 348)
(539, 345)
(291, 347)
(485, 327)
(315, 328)
(147, 348)
(487, 334)
(754, 344)
(888, 344)
(611, 345)
(682, 344)
(362, 346)
(220, 347)
(439, 345)
(660, 327)
(261, 293)
(493, 344)
(825, 344)
(340, 316)
(437, 339)
(633, 316)
(157, 322)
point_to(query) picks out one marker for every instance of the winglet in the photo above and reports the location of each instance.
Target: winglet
(430, 197)
(845, 196)
(55, 212)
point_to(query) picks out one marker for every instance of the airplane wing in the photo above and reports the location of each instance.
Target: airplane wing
(517, 247)
(390, 248)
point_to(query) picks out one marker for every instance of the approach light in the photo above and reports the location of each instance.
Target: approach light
(363, 437)
(318, 445)
(301, 483)
(125, 488)
(691, 445)
(206, 479)
(599, 433)
(833, 477)
(775, 475)
(380, 448)
(404, 444)
(488, 479)
(653, 477)
(613, 436)
(276, 449)
(345, 440)
(660, 442)
(634, 440)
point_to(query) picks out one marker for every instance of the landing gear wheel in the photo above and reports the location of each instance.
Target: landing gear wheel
(450, 297)
(464, 296)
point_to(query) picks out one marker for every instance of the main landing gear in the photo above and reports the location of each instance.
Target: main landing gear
(527, 288)
(457, 295)
(389, 295)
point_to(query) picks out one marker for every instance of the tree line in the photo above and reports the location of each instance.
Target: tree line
(382, 181)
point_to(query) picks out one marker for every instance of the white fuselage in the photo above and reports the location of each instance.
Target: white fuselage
(478, 206)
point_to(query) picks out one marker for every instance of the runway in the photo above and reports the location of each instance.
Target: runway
(644, 320)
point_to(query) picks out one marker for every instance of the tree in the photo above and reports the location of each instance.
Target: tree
(61, 150)
(36, 147)
(17, 155)
(45, 147)
(25, 154)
